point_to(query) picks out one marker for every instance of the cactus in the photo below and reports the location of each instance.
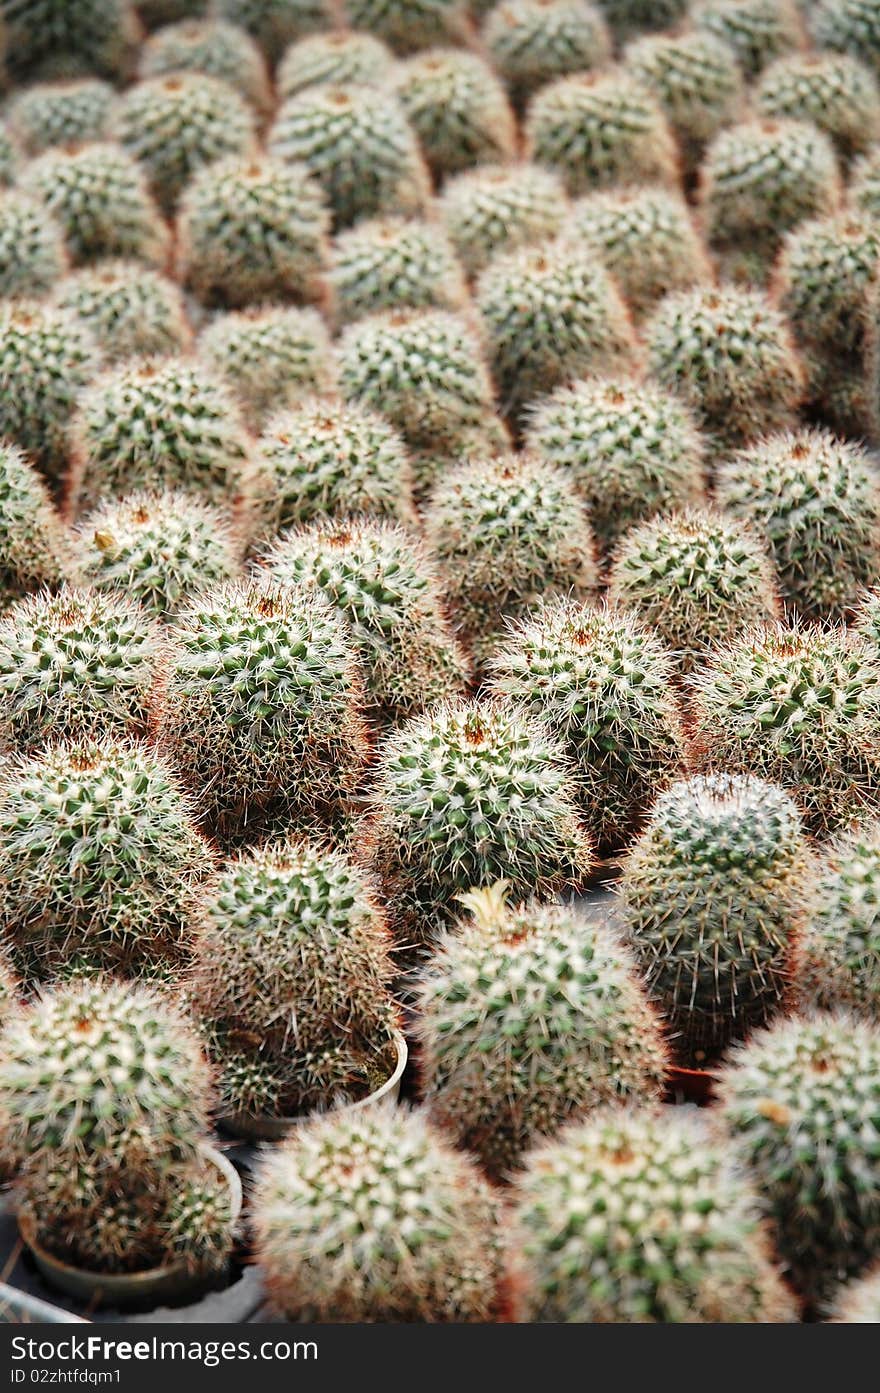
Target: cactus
(384, 589)
(531, 42)
(802, 1103)
(269, 359)
(550, 315)
(838, 962)
(130, 310)
(214, 47)
(593, 1239)
(800, 707)
(604, 686)
(728, 354)
(166, 422)
(848, 26)
(632, 16)
(864, 186)
(499, 207)
(815, 502)
(276, 23)
(858, 1303)
(529, 1016)
(835, 91)
(645, 238)
(712, 902)
(374, 1216)
(60, 113)
(176, 125)
(10, 156)
(293, 961)
(156, 12)
(99, 860)
(263, 703)
(601, 130)
(390, 263)
(631, 450)
(697, 577)
(457, 108)
(359, 146)
(505, 531)
(102, 34)
(697, 81)
(408, 25)
(340, 58)
(758, 31)
(46, 359)
(468, 794)
(100, 200)
(32, 254)
(328, 459)
(35, 548)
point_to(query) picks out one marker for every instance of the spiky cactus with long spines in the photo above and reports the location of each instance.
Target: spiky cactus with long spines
(326, 458)
(551, 315)
(800, 707)
(358, 145)
(60, 113)
(499, 207)
(604, 685)
(375, 1216)
(457, 108)
(409, 25)
(46, 359)
(531, 42)
(697, 577)
(838, 962)
(697, 81)
(529, 1016)
(293, 960)
(176, 125)
(263, 704)
(712, 902)
(102, 34)
(36, 549)
(631, 449)
(815, 502)
(100, 200)
(214, 47)
(468, 794)
(645, 238)
(339, 57)
(384, 588)
(130, 310)
(758, 31)
(858, 1303)
(593, 1238)
(836, 91)
(801, 1101)
(269, 358)
(393, 263)
(729, 354)
(599, 130)
(164, 420)
(253, 230)
(848, 26)
(276, 23)
(100, 860)
(32, 252)
(505, 531)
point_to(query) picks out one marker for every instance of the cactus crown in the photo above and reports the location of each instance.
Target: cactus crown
(390, 263)
(757, 30)
(457, 108)
(131, 310)
(269, 357)
(214, 47)
(338, 57)
(836, 91)
(61, 113)
(532, 41)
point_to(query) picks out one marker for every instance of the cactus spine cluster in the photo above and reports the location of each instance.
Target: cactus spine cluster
(500, 207)
(838, 961)
(457, 108)
(392, 263)
(61, 113)
(35, 548)
(268, 358)
(130, 310)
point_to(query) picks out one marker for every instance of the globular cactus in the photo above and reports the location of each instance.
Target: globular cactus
(339, 57)
(697, 81)
(214, 47)
(531, 42)
(633, 16)
(166, 421)
(631, 450)
(358, 145)
(100, 860)
(276, 23)
(800, 707)
(385, 591)
(328, 459)
(834, 90)
(103, 35)
(263, 704)
(645, 238)
(604, 686)
(848, 26)
(408, 25)
(505, 531)
(32, 253)
(46, 359)
(858, 1303)
(838, 962)
(468, 794)
(76, 666)
(293, 960)
(758, 31)
(457, 108)
(499, 207)
(159, 548)
(530, 1016)
(802, 1103)
(100, 200)
(864, 184)
(268, 358)
(392, 263)
(375, 1216)
(697, 577)
(176, 125)
(729, 355)
(130, 310)
(551, 315)
(60, 113)
(815, 502)
(251, 231)
(712, 902)
(593, 1241)
(35, 548)
(598, 130)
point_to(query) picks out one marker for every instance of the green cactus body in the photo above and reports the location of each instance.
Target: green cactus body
(269, 358)
(60, 113)
(864, 187)
(499, 207)
(627, 17)
(390, 263)
(457, 108)
(46, 359)
(35, 548)
(858, 1303)
(340, 57)
(697, 81)
(758, 31)
(130, 310)
(276, 23)
(10, 155)
(102, 34)
(531, 42)
(838, 964)
(848, 26)
(214, 47)
(835, 91)
(32, 253)
(408, 25)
